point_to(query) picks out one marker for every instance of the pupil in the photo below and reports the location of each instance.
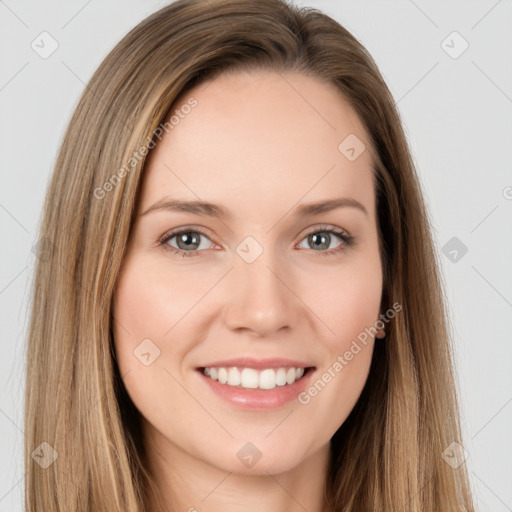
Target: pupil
(321, 239)
(191, 239)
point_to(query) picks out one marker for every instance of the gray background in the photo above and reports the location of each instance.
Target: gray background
(457, 115)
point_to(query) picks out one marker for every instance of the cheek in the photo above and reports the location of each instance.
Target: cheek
(150, 301)
(347, 300)
(351, 312)
(136, 314)
(358, 310)
(152, 309)
(141, 317)
(146, 314)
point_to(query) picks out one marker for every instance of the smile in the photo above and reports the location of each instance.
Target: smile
(251, 378)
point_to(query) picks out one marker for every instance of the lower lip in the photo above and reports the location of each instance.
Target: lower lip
(259, 399)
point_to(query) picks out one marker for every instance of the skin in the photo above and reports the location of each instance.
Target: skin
(258, 144)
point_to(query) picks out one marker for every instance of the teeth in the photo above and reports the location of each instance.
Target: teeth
(250, 378)
(281, 377)
(223, 375)
(268, 379)
(234, 377)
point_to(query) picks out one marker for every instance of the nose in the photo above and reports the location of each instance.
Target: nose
(260, 297)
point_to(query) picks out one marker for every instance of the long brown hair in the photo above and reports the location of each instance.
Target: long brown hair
(387, 456)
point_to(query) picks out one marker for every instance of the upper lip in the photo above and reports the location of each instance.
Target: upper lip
(249, 362)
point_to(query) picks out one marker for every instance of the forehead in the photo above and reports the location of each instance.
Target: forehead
(259, 140)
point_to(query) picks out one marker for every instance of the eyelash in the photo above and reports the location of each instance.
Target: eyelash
(348, 241)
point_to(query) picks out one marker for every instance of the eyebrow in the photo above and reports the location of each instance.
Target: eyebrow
(215, 210)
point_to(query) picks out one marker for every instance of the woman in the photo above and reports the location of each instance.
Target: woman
(298, 356)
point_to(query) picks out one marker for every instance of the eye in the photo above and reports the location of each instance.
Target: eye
(187, 240)
(322, 237)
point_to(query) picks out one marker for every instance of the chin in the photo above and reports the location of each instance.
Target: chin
(253, 459)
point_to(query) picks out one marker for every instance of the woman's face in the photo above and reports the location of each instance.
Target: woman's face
(256, 285)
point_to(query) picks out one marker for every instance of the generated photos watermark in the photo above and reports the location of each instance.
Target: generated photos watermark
(343, 360)
(139, 154)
